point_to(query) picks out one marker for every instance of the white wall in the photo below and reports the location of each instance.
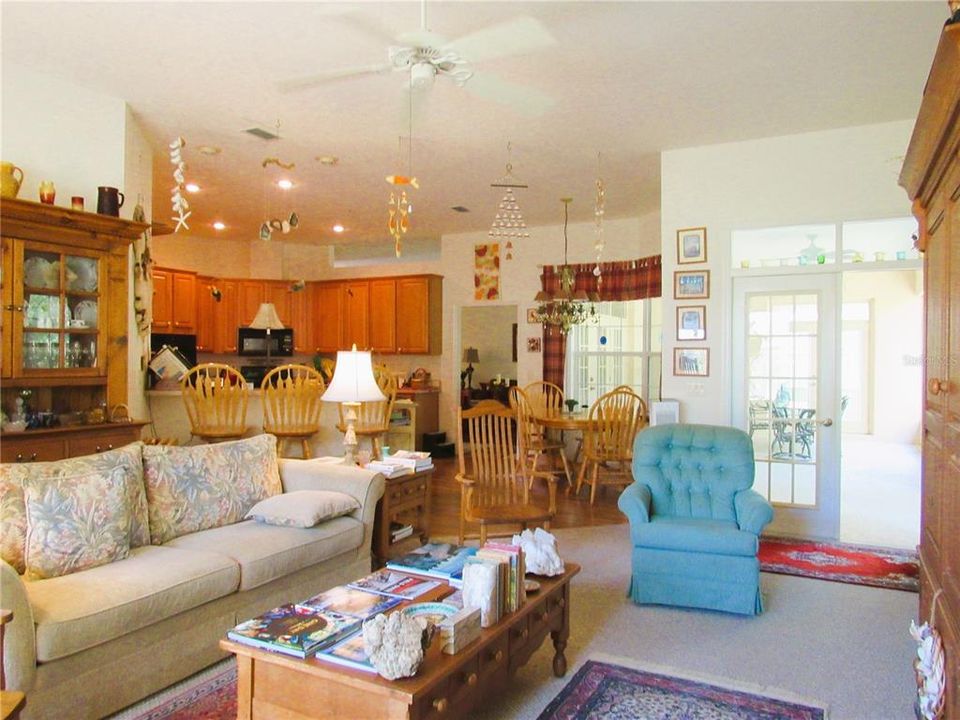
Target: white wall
(829, 176)
(58, 131)
(626, 238)
(490, 330)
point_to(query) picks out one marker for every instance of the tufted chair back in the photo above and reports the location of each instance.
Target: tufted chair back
(693, 470)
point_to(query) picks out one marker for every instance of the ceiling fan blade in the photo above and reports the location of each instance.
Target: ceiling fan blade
(513, 37)
(525, 100)
(307, 81)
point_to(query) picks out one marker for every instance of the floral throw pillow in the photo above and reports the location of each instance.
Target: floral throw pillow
(205, 486)
(13, 518)
(75, 523)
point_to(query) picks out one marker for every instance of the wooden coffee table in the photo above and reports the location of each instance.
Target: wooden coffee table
(274, 685)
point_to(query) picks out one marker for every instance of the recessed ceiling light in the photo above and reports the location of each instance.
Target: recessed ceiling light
(338, 228)
(192, 187)
(208, 150)
(328, 160)
(218, 225)
(285, 184)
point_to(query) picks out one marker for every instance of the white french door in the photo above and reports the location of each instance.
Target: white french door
(785, 394)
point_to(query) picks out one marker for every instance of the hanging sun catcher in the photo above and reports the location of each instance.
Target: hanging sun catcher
(272, 221)
(399, 205)
(180, 205)
(598, 212)
(508, 223)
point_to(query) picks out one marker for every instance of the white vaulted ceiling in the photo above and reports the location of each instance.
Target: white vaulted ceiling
(627, 79)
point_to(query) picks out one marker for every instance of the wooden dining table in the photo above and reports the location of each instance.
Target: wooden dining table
(555, 419)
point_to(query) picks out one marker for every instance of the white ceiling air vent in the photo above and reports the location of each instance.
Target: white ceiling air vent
(262, 133)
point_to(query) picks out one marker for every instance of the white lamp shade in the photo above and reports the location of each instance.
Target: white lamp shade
(267, 318)
(353, 379)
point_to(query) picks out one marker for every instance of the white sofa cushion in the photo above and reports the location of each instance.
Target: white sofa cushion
(78, 611)
(206, 486)
(303, 508)
(267, 552)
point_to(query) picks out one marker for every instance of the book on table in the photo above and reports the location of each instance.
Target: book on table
(294, 630)
(389, 471)
(439, 560)
(395, 584)
(360, 604)
(421, 460)
(349, 652)
(399, 531)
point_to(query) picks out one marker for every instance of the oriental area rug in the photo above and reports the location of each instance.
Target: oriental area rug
(616, 692)
(840, 562)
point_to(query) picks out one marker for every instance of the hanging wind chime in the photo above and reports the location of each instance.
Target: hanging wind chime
(598, 212)
(509, 223)
(180, 205)
(399, 205)
(271, 224)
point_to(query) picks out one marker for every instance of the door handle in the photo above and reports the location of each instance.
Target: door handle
(826, 422)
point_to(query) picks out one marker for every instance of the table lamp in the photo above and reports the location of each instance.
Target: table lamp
(470, 355)
(267, 319)
(353, 383)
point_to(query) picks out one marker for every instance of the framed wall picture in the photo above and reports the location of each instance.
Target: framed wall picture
(533, 344)
(691, 322)
(691, 245)
(691, 284)
(691, 362)
(532, 315)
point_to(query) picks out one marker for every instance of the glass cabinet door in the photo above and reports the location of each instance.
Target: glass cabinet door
(61, 312)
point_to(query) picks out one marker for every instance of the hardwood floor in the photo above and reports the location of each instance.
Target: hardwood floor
(571, 511)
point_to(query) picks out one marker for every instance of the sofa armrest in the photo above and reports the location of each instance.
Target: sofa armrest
(634, 502)
(753, 511)
(364, 485)
(19, 638)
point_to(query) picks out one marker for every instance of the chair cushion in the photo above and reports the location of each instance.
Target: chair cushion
(267, 552)
(206, 486)
(78, 611)
(713, 537)
(694, 471)
(13, 517)
(75, 523)
(303, 508)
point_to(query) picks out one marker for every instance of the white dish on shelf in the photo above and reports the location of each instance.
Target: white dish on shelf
(86, 311)
(38, 272)
(85, 271)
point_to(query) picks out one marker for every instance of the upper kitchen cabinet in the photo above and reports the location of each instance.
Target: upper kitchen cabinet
(174, 301)
(328, 317)
(419, 314)
(356, 314)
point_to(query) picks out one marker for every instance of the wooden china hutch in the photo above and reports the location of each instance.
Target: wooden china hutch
(64, 328)
(931, 176)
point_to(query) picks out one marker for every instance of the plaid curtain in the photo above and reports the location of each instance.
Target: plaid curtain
(623, 280)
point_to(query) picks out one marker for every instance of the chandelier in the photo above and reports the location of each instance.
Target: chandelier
(566, 307)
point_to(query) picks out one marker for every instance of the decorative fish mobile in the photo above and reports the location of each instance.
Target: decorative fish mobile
(403, 180)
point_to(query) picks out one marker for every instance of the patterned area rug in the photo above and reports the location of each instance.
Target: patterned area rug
(614, 692)
(857, 564)
(209, 695)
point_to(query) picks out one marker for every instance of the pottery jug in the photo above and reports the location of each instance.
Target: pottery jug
(109, 201)
(9, 183)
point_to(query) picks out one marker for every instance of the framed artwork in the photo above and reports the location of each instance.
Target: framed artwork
(533, 344)
(691, 284)
(692, 362)
(532, 315)
(691, 245)
(691, 322)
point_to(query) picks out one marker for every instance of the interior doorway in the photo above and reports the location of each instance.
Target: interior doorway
(881, 407)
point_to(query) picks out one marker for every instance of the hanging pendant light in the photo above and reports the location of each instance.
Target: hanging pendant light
(567, 306)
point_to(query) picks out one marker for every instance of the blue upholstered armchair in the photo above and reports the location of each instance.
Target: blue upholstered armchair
(694, 521)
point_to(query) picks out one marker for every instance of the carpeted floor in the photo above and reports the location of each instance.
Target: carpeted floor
(841, 562)
(843, 646)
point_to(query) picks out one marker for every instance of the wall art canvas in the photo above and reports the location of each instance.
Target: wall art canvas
(693, 362)
(533, 344)
(691, 284)
(486, 271)
(691, 322)
(691, 245)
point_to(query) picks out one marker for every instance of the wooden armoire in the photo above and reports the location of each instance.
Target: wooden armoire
(931, 176)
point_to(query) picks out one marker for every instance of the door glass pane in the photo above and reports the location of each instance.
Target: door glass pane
(41, 350)
(782, 394)
(80, 350)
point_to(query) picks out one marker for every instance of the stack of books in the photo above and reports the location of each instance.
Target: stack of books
(501, 578)
(295, 630)
(399, 531)
(388, 469)
(422, 460)
(440, 560)
(402, 462)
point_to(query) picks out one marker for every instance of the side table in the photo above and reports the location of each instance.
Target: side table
(406, 500)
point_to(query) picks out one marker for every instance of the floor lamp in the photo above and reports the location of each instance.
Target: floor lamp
(353, 383)
(267, 319)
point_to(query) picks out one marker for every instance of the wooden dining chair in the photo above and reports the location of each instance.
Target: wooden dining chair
(491, 493)
(291, 405)
(215, 396)
(533, 442)
(613, 422)
(544, 395)
(373, 417)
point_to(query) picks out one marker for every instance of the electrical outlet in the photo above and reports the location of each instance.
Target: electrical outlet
(696, 388)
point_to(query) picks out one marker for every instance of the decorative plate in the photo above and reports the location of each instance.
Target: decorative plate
(434, 612)
(37, 273)
(85, 271)
(86, 311)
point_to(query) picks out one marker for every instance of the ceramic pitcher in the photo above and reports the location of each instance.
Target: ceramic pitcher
(9, 182)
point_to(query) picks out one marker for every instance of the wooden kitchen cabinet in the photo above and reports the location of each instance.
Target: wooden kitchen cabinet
(301, 306)
(250, 293)
(206, 314)
(383, 316)
(328, 322)
(6, 307)
(162, 300)
(174, 301)
(278, 292)
(356, 314)
(419, 315)
(225, 319)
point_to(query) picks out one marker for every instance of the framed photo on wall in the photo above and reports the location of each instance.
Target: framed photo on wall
(691, 245)
(691, 284)
(532, 316)
(691, 362)
(691, 322)
(533, 344)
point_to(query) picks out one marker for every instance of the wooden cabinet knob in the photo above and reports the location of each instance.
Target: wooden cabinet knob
(440, 705)
(472, 679)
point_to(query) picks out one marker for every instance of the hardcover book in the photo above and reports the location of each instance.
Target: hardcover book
(293, 630)
(395, 584)
(440, 560)
(350, 601)
(349, 652)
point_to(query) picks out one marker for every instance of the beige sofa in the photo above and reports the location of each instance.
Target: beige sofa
(88, 643)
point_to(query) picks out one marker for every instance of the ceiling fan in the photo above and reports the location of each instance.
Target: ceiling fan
(425, 55)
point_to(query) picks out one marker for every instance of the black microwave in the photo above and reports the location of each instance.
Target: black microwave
(252, 342)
